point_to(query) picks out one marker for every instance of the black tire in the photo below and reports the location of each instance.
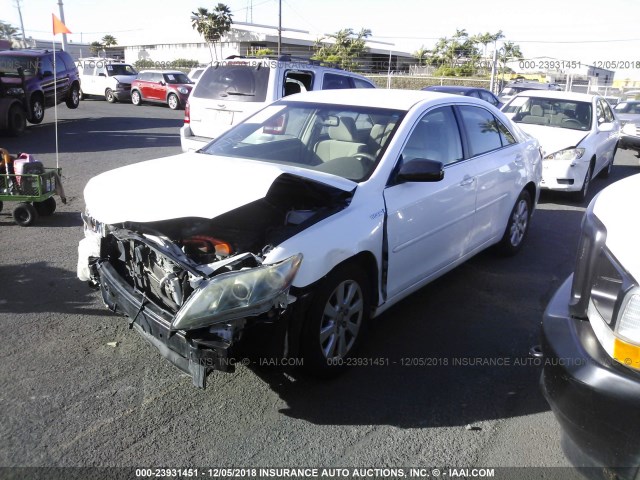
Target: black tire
(16, 120)
(109, 96)
(173, 101)
(517, 226)
(325, 355)
(36, 112)
(73, 98)
(136, 98)
(606, 172)
(1, 205)
(82, 95)
(581, 195)
(24, 214)
(46, 207)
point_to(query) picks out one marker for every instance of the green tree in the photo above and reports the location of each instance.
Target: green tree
(421, 55)
(346, 47)
(8, 31)
(95, 47)
(509, 51)
(212, 25)
(109, 40)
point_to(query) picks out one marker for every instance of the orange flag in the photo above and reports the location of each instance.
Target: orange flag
(58, 26)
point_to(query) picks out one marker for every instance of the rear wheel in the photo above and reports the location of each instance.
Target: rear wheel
(46, 207)
(24, 214)
(109, 96)
(336, 320)
(73, 100)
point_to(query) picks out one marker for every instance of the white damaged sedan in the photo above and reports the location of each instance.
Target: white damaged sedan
(285, 235)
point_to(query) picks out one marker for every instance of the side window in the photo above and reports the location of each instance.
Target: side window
(599, 111)
(474, 94)
(46, 65)
(608, 114)
(88, 68)
(60, 66)
(506, 137)
(435, 137)
(482, 130)
(332, 81)
(486, 96)
(359, 83)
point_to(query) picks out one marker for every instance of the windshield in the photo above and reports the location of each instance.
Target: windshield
(232, 82)
(120, 69)
(551, 112)
(176, 78)
(340, 140)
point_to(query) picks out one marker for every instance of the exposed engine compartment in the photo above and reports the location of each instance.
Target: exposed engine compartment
(167, 259)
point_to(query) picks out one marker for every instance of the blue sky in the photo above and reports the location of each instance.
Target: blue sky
(572, 30)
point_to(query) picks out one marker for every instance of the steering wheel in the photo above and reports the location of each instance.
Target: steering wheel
(572, 122)
(367, 160)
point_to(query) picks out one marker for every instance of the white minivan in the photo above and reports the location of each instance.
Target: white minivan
(106, 77)
(231, 90)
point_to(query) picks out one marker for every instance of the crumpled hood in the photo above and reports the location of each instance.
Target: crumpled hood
(125, 78)
(554, 139)
(612, 209)
(187, 185)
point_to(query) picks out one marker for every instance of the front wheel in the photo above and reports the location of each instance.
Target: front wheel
(581, 195)
(37, 110)
(518, 225)
(173, 102)
(24, 214)
(135, 98)
(109, 96)
(16, 120)
(46, 207)
(336, 320)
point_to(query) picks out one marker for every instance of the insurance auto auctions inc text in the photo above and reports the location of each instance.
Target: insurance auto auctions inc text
(350, 473)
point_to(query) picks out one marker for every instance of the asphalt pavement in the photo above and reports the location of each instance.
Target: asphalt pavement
(453, 385)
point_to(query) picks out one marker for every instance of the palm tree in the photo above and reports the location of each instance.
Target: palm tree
(109, 40)
(421, 54)
(212, 25)
(509, 51)
(8, 31)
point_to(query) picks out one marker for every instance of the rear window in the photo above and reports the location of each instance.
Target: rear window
(120, 69)
(239, 83)
(9, 65)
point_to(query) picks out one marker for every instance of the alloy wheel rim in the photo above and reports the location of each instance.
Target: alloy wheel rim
(341, 320)
(519, 222)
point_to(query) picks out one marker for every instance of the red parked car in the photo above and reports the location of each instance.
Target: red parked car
(166, 86)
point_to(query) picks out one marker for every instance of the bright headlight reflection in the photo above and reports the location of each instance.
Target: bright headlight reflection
(237, 294)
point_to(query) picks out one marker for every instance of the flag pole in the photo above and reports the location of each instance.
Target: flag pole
(55, 99)
(58, 27)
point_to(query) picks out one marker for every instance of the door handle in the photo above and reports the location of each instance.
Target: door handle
(467, 181)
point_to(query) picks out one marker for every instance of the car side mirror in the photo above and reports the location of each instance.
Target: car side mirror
(47, 73)
(606, 127)
(102, 74)
(162, 82)
(420, 170)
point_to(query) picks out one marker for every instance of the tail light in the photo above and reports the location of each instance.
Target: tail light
(187, 113)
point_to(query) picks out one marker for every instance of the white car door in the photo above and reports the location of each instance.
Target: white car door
(496, 163)
(428, 223)
(606, 140)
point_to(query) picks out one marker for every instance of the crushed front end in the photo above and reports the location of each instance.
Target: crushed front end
(190, 298)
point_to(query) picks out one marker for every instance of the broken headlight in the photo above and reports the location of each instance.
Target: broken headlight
(238, 294)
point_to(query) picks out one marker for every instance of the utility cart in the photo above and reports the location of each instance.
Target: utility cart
(32, 188)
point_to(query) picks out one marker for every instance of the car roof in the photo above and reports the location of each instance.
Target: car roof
(554, 94)
(379, 97)
(30, 52)
(451, 88)
(162, 71)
